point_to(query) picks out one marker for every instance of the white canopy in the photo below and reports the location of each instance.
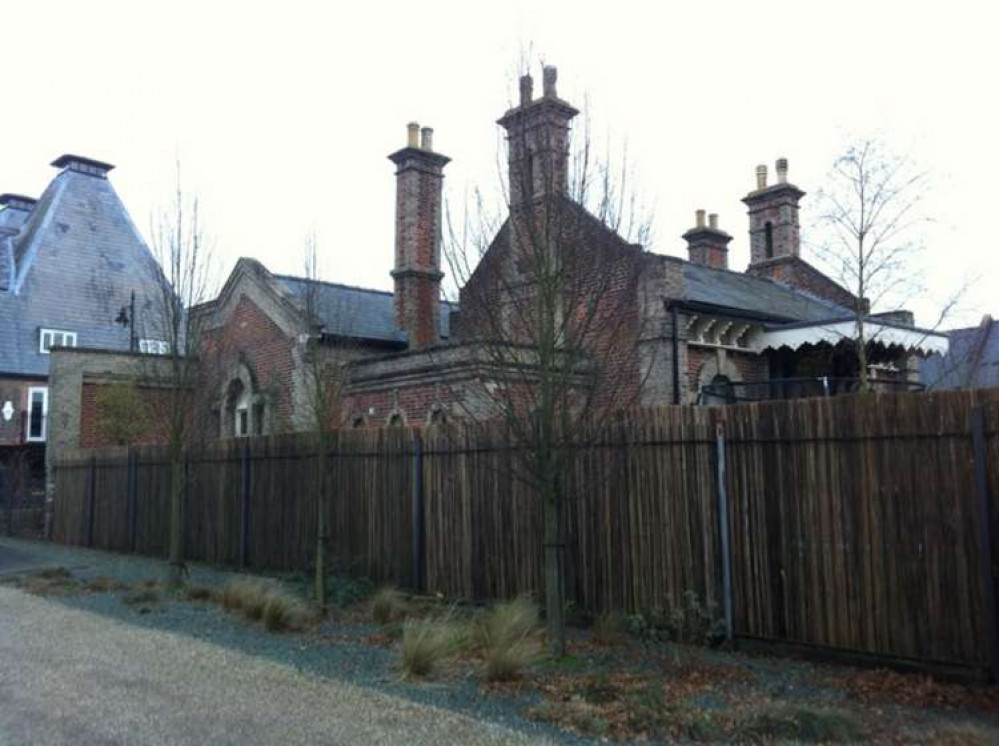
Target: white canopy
(794, 336)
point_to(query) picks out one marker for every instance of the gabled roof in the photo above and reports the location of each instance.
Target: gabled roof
(358, 313)
(77, 257)
(971, 362)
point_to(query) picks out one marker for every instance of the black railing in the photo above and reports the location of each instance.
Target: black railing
(798, 388)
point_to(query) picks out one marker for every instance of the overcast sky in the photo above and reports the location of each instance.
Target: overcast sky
(282, 113)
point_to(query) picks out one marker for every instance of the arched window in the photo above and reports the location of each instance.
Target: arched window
(358, 422)
(437, 416)
(768, 231)
(237, 406)
(395, 420)
(720, 391)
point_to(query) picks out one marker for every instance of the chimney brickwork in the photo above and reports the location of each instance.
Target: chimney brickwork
(774, 231)
(538, 141)
(707, 244)
(417, 272)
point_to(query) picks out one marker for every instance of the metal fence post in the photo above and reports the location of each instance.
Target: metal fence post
(244, 505)
(91, 499)
(726, 554)
(985, 524)
(418, 523)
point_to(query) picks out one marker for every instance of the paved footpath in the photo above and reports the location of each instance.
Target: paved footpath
(72, 677)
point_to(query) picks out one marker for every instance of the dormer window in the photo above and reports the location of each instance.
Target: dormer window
(49, 338)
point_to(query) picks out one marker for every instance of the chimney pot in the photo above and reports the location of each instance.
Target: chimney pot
(526, 89)
(700, 218)
(782, 170)
(427, 139)
(713, 220)
(413, 135)
(761, 177)
(550, 78)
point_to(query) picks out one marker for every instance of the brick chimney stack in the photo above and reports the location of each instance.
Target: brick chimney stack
(707, 244)
(774, 232)
(419, 184)
(537, 133)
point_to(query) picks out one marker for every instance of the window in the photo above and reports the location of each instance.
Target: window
(395, 420)
(154, 347)
(358, 422)
(50, 338)
(38, 411)
(242, 422)
(438, 416)
(768, 230)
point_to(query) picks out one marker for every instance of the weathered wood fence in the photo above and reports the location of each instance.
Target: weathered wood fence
(857, 524)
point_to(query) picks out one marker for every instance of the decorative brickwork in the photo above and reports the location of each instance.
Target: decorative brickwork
(417, 271)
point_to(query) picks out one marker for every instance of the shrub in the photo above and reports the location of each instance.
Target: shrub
(58, 584)
(283, 612)
(388, 605)
(141, 597)
(200, 593)
(425, 643)
(800, 724)
(239, 595)
(262, 600)
(609, 628)
(105, 584)
(54, 573)
(690, 623)
(509, 638)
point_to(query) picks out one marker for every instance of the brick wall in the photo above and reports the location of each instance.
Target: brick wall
(251, 338)
(90, 435)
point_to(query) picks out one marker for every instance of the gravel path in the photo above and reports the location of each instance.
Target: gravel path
(71, 676)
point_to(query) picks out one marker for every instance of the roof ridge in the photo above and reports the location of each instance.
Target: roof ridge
(332, 284)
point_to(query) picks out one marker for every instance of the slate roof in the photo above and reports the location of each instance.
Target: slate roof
(971, 362)
(359, 313)
(757, 295)
(77, 258)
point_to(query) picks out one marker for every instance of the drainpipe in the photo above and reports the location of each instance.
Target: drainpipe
(676, 353)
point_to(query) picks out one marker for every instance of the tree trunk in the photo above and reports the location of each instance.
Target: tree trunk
(177, 567)
(554, 574)
(862, 356)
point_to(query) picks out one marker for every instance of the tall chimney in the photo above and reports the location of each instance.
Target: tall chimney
(782, 170)
(537, 134)
(417, 273)
(526, 90)
(707, 244)
(761, 177)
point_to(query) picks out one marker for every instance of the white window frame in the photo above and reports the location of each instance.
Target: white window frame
(154, 347)
(66, 339)
(45, 414)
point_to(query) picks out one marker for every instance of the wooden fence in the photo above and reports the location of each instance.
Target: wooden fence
(854, 524)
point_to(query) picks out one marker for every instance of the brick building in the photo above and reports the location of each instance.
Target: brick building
(414, 358)
(687, 329)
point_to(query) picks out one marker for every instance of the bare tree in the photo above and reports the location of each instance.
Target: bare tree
(324, 377)
(551, 305)
(185, 259)
(871, 213)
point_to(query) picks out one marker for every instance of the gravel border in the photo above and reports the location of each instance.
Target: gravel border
(346, 658)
